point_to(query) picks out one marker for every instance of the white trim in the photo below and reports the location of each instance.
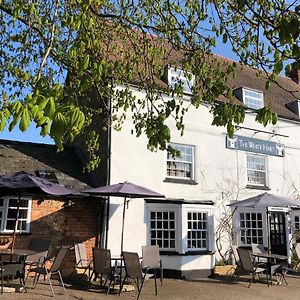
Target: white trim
(244, 90)
(266, 184)
(192, 177)
(181, 75)
(4, 219)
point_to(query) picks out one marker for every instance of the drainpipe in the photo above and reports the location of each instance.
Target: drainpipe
(108, 169)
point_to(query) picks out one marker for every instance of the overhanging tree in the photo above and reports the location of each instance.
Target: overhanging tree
(54, 53)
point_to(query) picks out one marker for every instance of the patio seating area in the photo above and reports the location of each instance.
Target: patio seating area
(221, 288)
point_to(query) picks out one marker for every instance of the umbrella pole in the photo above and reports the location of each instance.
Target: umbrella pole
(123, 220)
(16, 222)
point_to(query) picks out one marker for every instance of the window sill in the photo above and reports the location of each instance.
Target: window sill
(258, 187)
(188, 253)
(182, 181)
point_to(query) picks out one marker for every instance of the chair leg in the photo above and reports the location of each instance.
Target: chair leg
(36, 279)
(50, 283)
(122, 284)
(61, 281)
(161, 274)
(141, 286)
(155, 282)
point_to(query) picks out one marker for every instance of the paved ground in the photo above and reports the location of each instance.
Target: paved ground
(172, 289)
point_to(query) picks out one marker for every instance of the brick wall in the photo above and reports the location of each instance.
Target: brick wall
(64, 225)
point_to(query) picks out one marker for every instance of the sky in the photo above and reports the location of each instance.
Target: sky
(32, 133)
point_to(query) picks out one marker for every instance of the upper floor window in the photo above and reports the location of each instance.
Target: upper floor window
(8, 214)
(256, 170)
(185, 79)
(253, 99)
(181, 166)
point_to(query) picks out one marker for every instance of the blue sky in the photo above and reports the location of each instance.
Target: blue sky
(33, 135)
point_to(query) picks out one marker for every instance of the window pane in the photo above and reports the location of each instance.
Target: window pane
(251, 228)
(256, 170)
(197, 230)
(162, 229)
(180, 166)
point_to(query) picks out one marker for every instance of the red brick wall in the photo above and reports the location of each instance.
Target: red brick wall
(64, 225)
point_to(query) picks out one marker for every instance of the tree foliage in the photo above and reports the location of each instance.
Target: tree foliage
(61, 60)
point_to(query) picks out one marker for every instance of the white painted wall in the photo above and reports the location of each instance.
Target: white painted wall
(219, 172)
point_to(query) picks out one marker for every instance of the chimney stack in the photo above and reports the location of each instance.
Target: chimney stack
(295, 72)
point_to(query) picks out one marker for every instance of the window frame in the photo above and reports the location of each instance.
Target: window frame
(181, 225)
(239, 228)
(208, 210)
(4, 219)
(159, 207)
(192, 169)
(254, 184)
(181, 76)
(244, 96)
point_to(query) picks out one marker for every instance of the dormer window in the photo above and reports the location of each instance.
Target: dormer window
(294, 106)
(177, 77)
(253, 99)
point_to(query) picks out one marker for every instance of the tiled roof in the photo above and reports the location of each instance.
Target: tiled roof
(276, 97)
(23, 156)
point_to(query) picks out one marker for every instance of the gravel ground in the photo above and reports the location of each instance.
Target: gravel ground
(171, 289)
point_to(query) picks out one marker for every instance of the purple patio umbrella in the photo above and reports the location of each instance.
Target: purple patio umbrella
(264, 201)
(126, 190)
(22, 182)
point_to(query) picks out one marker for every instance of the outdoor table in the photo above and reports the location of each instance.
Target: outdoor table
(271, 257)
(21, 255)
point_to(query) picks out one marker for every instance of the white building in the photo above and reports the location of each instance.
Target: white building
(193, 225)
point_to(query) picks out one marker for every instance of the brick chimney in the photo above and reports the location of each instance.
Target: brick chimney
(295, 72)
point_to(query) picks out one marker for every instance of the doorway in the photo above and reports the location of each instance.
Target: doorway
(278, 233)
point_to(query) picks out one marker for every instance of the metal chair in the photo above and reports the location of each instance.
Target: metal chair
(259, 248)
(133, 270)
(151, 260)
(102, 267)
(41, 247)
(248, 265)
(54, 269)
(12, 270)
(82, 262)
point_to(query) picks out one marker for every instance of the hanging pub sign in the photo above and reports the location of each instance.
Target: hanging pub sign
(249, 144)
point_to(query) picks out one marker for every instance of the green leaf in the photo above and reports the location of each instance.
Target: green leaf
(25, 119)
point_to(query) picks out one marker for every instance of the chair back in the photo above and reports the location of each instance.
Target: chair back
(258, 248)
(80, 255)
(41, 247)
(297, 250)
(59, 258)
(151, 256)
(245, 259)
(102, 261)
(235, 255)
(132, 265)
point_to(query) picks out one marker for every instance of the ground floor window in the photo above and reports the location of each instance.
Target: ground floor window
(162, 229)
(251, 228)
(197, 233)
(180, 228)
(8, 214)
